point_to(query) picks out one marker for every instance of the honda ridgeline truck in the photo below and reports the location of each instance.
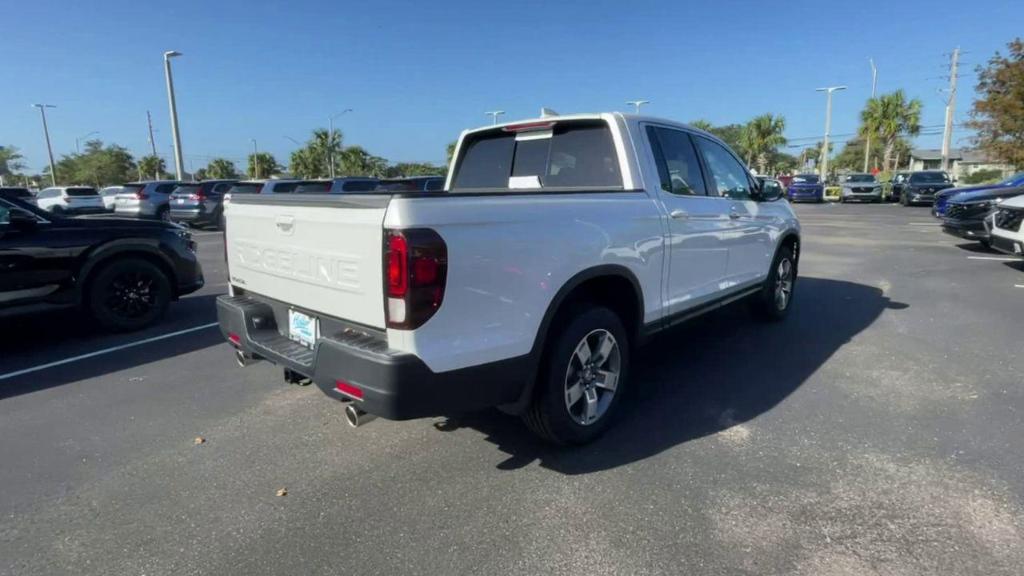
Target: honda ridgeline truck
(557, 246)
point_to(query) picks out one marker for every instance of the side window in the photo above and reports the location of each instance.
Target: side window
(727, 174)
(437, 184)
(678, 165)
(5, 214)
(165, 188)
(359, 186)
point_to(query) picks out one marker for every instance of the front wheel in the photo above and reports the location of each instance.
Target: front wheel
(128, 294)
(582, 378)
(776, 295)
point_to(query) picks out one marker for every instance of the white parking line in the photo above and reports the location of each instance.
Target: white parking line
(105, 351)
(1018, 285)
(996, 258)
(924, 223)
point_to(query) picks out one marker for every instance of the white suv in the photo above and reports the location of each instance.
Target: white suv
(1006, 228)
(70, 200)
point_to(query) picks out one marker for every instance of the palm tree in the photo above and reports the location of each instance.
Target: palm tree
(702, 124)
(152, 166)
(221, 168)
(889, 117)
(326, 145)
(760, 137)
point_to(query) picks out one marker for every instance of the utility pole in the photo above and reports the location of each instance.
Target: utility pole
(152, 146)
(494, 115)
(947, 133)
(330, 139)
(828, 128)
(256, 160)
(874, 83)
(178, 164)
(46, 132)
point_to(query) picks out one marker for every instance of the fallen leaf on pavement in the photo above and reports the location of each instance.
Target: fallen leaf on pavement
(282, 492)
(199, 440)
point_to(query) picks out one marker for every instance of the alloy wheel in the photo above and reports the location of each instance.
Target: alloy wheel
(783, 283)
(131, 294)
(592, 377)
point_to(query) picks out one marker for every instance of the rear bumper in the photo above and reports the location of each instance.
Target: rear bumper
(862, 196)
(1010, 246)
(190, 215)
(86, 210)
(805, 195)
(392, 384)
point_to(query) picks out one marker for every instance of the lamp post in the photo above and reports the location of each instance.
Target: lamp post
(330, 139)
(255, 160)
(46, 133)
(178, 164)
(874, 83)
(637, 104)
(828, 128)
(80, 138)
(494, 115)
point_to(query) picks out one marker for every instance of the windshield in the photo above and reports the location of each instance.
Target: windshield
(929, 177)
(860, 178)
(80, 191)
(806, 178)
(1015, 180)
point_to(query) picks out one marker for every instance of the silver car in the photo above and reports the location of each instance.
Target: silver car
(861, 188)
(150, 199)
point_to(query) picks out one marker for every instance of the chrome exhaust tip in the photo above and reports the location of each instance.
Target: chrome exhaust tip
(243, 359)
(356, 417)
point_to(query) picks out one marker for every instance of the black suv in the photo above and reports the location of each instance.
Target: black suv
(921, 187)
(124, 272)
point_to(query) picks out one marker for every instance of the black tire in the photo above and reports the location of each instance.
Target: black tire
(220, 221)
(128, 294)
(163, 213)
(58, 210)
(552, 413)
(986, 243)
(766, 303)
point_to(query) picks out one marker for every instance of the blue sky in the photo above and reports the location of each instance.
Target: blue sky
(416, 73)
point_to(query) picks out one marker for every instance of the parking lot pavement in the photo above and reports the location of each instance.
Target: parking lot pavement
(876, 431)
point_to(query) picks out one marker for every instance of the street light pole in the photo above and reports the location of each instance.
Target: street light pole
(874, 83)
(46, 133)
(80, 138)
(637, 104)
(828, 128)
(330, 139)
(255, 160)
(178, 164)
(494, 115)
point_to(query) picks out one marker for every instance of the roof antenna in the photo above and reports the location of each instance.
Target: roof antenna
(547, 112)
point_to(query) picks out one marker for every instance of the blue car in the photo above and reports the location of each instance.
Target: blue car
(806, 188)
(943, 198)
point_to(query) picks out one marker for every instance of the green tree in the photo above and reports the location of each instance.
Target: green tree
(760, 137)
(997, 116)
(701, 124)
(402, 169)
(266, 162)
(11, 163)
(96, 165)
(152, 167)
(313, 159)
(731, 134)
(984, 176)
(221, 169)
(889, 117)
(451, 151)
(356, 161)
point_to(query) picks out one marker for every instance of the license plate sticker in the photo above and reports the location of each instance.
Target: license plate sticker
(303, 328)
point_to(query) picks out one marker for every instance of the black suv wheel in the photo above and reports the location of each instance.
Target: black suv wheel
(128, 294)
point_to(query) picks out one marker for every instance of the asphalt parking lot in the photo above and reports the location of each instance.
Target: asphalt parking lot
(876, 431)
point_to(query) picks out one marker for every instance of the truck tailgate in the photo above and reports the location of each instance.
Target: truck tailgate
(322, 253)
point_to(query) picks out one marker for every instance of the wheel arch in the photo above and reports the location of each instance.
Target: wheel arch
(111, 252)
(602, 284)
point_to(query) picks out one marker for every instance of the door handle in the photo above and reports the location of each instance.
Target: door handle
(679, 214)
(733, 214)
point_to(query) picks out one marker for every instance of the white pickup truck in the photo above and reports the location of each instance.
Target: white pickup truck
(557, 246)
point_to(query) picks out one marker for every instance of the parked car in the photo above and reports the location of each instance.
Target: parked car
(899, 180)
(70, 200)
(121, 271)
(270, 186)
(109, 196)
(860, 188)
(965, 214)
(1006, 227)
(525, 286)
(806, 188)
(200, 203)
(413, 184)
(338, 185)
(922, 186)
(147, 199)
(17, 192)
(939, 207)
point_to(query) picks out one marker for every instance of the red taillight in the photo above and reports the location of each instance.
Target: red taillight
(398, 256)
(140, 195)
(235, 339)
(348, 389)
(415, 269)
(528, 126)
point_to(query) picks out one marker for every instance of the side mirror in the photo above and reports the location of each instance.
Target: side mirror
(770, 191)
(21, 219)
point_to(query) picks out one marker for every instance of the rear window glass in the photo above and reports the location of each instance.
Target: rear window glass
(576, 155)
(132, 188)
(806, 178)
(81, 191)
(398, 186)
(246, 188)
(318, 187)
(359, 186)
(190, 189)
(285, 187)
(16, 192)
(930, 177)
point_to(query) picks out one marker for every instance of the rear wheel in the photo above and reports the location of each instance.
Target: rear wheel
(776, 295)
(582, 379)
(986, 243)
(164, 214)
(128, 294)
